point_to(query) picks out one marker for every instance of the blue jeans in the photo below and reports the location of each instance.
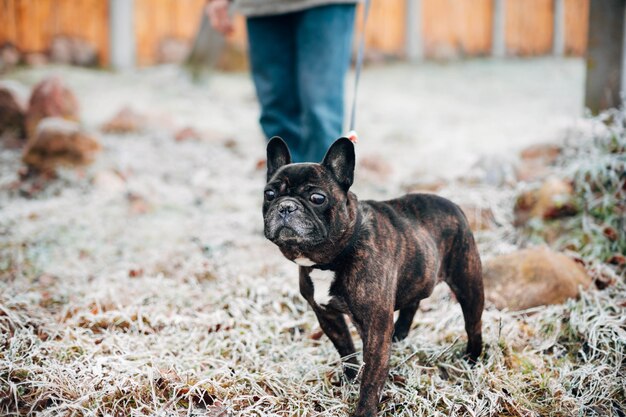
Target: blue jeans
(299, 61)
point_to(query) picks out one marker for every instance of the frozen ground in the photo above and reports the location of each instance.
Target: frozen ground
(158, 295)
(432, 119)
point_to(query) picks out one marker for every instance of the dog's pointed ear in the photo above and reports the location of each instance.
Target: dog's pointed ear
(277, 155)
(340, 160)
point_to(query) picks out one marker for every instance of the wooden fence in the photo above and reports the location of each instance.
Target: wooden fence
(32, 24)
(447, 28)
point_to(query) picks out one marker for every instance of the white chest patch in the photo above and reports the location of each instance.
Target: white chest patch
(322, 281)
(302, 261)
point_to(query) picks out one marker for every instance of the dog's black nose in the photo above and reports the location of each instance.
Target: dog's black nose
(287, 207)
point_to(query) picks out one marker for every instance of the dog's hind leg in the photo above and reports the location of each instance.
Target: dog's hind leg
(404, 321)
(465, 279)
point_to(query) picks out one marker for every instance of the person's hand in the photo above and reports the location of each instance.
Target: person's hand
(217, 10)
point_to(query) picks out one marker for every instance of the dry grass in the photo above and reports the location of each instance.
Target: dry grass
(182, 308)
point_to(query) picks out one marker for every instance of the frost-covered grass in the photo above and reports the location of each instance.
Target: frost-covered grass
(180, 307)
(600, 185)
(595, 162)
(171, 347)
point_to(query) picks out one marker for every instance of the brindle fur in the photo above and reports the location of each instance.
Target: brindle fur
(386, 256)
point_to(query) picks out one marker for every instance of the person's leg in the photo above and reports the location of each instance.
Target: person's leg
(272, 49)
(324, 39)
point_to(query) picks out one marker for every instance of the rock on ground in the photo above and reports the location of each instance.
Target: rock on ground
(50, 98)
(552, 200)
(187, 133)
(59, 142)
(12, 111)
(537, 162)
(126, 120)
(61, 50)
(73, 50)
(35, 59)
(544, 152)
(9, 56)
(532, 277)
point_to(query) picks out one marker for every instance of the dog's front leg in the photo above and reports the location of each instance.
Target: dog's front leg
(376, 322)
(335, 327)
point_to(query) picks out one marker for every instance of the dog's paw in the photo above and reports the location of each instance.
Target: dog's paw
(350, 373)
(474, 349)
(471, 356)
(400, 334)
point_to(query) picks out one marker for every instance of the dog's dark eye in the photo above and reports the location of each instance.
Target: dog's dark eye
(269, 195)
(317, 198)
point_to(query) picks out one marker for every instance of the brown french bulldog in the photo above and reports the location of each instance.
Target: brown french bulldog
(368, 259)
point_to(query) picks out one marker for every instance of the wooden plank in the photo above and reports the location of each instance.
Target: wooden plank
(24, 36)
(178, 16)
(44, 23)
(529, 27)
(103, 34)
(144, 22)
(576, 26)
(186, 15)
(457, 27)
(65, 19)
(61, 22)
(4, 18)
(90, 20)
(94, 26)
(8, 30)
(9, 33)
(438, 31)
(154, 21)
(385, 31)
(163, 24)
(474, 34)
